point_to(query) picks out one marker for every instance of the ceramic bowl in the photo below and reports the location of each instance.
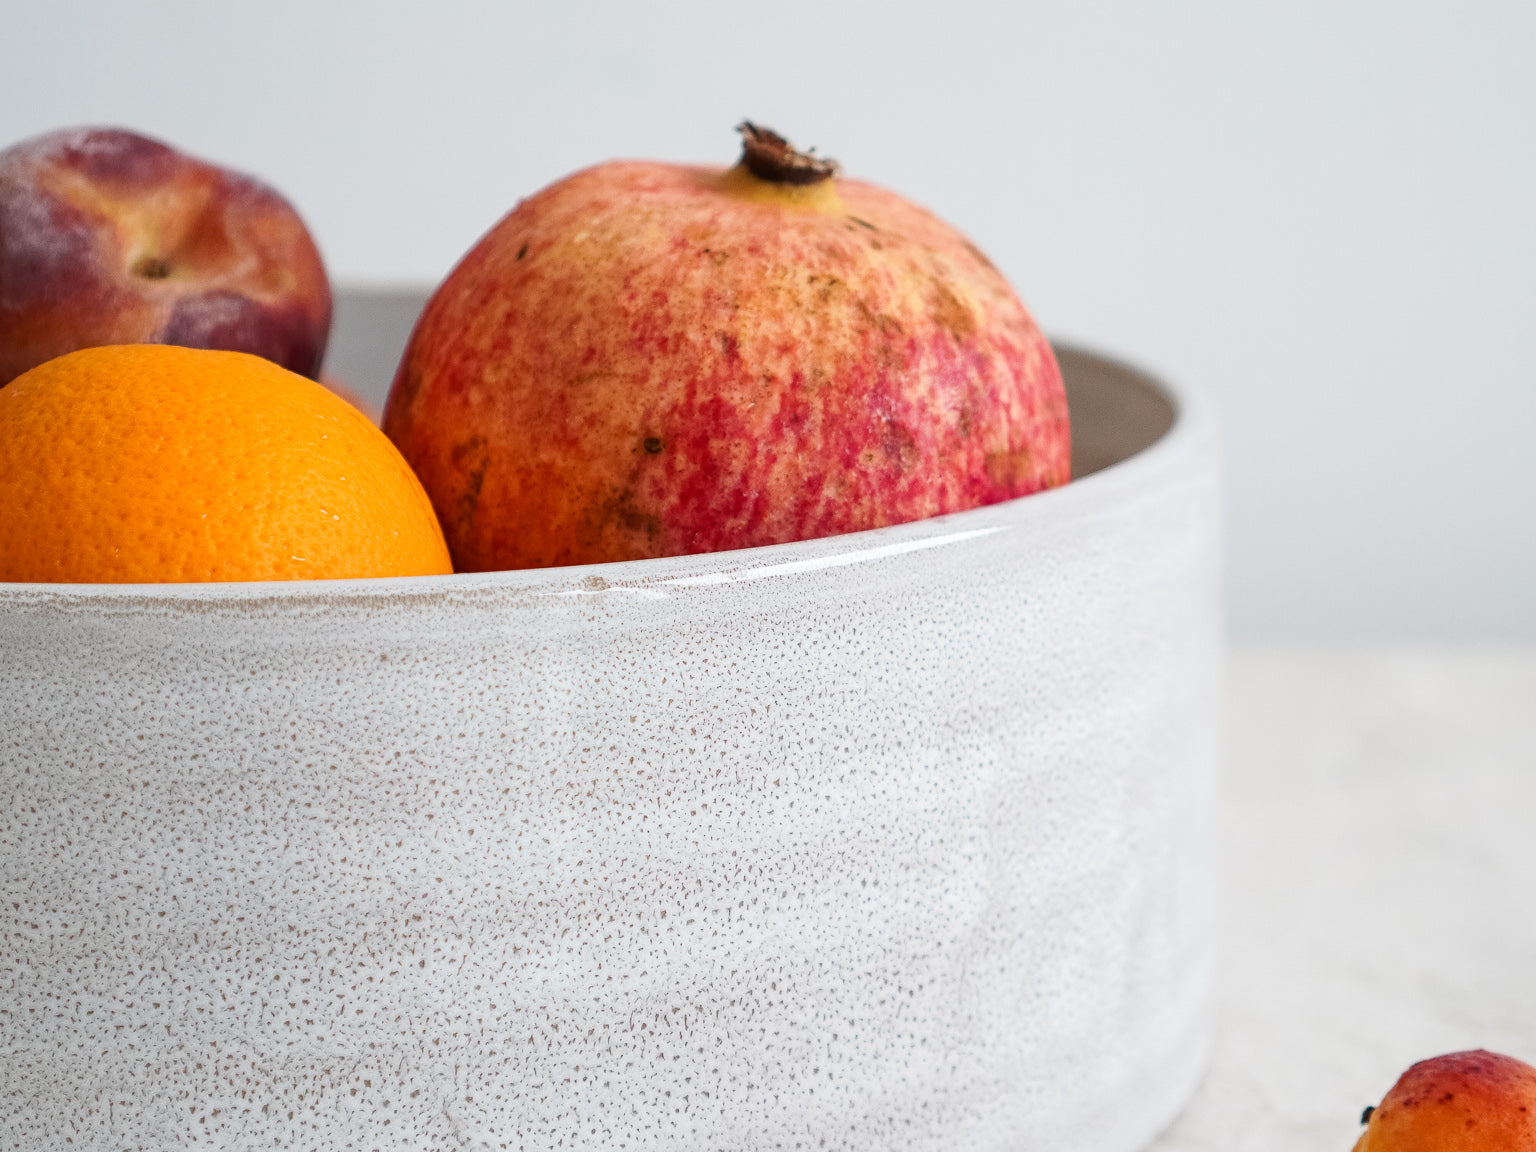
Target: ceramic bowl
(901, 839)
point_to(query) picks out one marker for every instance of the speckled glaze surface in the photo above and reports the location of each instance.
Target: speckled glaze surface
(901, 840)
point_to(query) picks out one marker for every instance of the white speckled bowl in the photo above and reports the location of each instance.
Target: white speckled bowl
(895, 840)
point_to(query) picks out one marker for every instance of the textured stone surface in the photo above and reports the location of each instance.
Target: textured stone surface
(897, 840)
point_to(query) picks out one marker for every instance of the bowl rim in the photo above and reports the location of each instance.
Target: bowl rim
(1190, 427)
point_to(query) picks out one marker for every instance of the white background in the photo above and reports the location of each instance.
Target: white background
(1319, 216)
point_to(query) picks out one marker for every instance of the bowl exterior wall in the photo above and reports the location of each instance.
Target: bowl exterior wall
(902, 840)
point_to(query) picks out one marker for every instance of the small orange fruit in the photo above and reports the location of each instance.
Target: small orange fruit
(150, 463)
(1460, 1102)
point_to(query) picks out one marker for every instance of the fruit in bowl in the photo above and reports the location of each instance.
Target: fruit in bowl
(648, 359)
(152, 463)
(1461, 1102)
(108, 237)
(854, 851)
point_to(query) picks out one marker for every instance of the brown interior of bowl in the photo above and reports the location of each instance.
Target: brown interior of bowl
(1116, 411)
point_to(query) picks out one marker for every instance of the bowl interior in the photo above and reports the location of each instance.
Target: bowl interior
(1116, 411)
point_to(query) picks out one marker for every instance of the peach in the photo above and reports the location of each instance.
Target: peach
(107, 237)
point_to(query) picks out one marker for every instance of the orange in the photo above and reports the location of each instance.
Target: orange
(150, 463)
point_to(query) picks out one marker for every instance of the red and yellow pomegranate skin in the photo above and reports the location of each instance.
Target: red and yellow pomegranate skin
(651, 360)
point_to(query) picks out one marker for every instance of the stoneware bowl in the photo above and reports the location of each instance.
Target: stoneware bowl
(897, 840)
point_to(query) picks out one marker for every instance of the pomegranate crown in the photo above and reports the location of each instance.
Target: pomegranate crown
(769, 156)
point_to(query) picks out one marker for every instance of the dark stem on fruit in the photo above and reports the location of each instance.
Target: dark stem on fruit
(769, 156)
(151, 268)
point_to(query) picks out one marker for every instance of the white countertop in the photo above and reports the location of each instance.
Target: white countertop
(1380, 885)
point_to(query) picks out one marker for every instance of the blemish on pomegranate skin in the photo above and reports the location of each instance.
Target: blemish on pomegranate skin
(475, 454)
(151, 268)
(949, 313)
(652, 445)
(1011, 472)
(899, 445)
(523, 251)
(631, 518)
(965, 421)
